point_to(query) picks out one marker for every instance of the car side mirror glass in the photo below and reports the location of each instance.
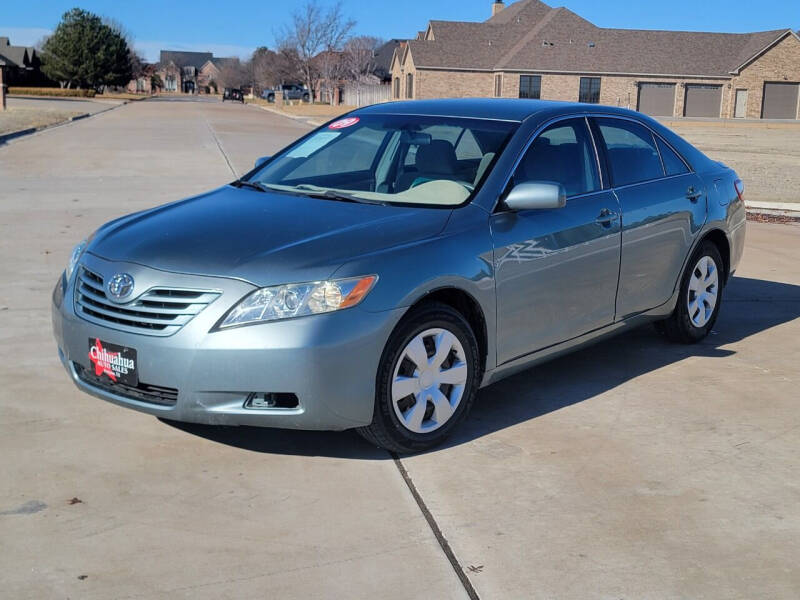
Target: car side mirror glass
(260, 161)
(536, 195)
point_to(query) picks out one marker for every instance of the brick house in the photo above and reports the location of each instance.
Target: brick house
(182, 72)
(22, 64)
(208, 77)
(179, 70)
(530, 50)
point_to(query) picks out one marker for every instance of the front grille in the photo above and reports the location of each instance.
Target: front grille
(159, 311)
(144, 392)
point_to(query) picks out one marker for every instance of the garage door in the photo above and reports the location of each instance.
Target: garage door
(780, 101)
(703, 101)
(657, 99)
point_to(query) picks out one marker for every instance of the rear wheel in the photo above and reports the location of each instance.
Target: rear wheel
(427, 380)
(700, 297)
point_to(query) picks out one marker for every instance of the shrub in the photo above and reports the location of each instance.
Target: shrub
(42, 91)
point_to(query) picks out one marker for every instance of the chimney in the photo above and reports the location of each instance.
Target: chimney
(497, 6)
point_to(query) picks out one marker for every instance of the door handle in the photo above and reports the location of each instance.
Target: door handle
(693, 194)
(606, 217)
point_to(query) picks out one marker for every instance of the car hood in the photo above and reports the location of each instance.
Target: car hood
(265, 238)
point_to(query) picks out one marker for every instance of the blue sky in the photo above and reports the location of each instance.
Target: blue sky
(235, 28)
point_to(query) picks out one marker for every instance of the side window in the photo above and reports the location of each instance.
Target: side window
(562, 153)
(673, 164)
(631, 150)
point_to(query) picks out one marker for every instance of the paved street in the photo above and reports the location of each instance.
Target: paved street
(633, 469)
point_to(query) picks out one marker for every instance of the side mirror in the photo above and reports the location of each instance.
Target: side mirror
(262, 160)
(536, 195)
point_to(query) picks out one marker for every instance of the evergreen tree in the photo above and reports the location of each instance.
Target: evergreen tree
(85, 52)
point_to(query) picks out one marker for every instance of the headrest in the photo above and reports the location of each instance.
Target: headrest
(437, 157)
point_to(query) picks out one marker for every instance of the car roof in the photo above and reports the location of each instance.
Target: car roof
(501, 109)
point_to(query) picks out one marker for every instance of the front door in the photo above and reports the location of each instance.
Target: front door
(556, 270)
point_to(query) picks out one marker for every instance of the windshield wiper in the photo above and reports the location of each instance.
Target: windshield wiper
(240, 183)
(315, 192)
(342, 197)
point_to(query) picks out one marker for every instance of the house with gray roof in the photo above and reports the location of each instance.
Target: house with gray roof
(21, 63)
(189, 72)
(529, 49)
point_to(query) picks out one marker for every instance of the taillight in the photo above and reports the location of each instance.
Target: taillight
(739, 185)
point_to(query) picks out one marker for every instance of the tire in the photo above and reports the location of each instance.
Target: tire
(271, 98)
(408, 425)
(692, 321)
(306, 98)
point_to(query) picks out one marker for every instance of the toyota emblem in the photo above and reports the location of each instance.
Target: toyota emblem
(120, 286)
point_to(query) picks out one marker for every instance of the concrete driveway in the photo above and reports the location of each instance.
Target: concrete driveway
(633, 469)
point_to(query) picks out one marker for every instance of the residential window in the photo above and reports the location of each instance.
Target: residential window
(498, 85)
(409, 86)
(397, 88)
(530, 86)
(589, 90)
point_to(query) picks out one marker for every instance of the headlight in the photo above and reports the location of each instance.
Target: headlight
(77, 252)
(298, 300)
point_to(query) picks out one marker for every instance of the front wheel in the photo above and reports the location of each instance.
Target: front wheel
(427, 380)
(700, 297)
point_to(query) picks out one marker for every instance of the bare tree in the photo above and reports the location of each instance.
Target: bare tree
(359, 56)
(268, 69)
(233, 74)
(261, 68)
(314, 30)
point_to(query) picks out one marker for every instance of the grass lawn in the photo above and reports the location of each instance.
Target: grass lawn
(17, 119)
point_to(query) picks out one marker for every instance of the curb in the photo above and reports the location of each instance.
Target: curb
(788, 207)
(8, 137)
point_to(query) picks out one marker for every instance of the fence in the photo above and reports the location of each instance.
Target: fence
(363, 94)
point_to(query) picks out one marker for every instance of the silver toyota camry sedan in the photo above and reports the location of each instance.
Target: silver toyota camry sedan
(380, 270)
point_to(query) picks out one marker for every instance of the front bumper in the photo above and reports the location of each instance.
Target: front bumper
(328, 361)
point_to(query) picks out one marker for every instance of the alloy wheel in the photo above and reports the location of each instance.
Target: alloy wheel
(429, 380)
(703, 291)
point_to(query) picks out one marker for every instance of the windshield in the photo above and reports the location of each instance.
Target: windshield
(434, 161)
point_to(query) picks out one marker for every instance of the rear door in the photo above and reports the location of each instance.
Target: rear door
(780, 101)
(703, 101)
(663, 207)
(556, 270)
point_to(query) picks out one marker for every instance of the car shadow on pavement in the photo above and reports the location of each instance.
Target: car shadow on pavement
(750, 306)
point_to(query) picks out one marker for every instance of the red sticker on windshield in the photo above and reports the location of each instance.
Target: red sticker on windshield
(343, 123)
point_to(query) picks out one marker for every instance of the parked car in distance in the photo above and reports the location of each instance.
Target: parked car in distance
(289, 91)
(233, 94)
(378, 271)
